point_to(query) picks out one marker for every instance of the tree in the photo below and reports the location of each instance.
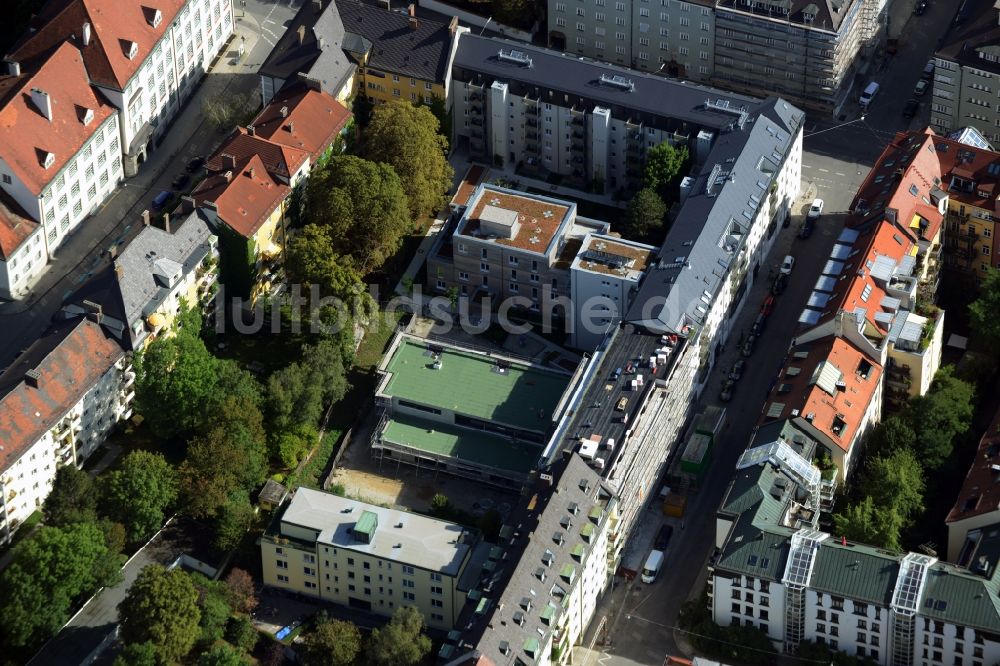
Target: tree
(138, 654)
(400, 641)
(222, 654)
(867, 522)
(233, 520)
(645, 213)
(331, 643)
(983, 311)
(176, 383)
(663, 164)
(72, 498)
(139, 493)
(891, 435)
(896, 482)
(407, 138)
(518, 13)
(293, 444)
(241, 633)
(311, 259)
(941, 415)
(440, 504)
(50, 572)
(242, 591)
(363, 207)
(161, 607)
(298, 392)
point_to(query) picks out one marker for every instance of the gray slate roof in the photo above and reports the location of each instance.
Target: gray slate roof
(577, 76)
(153, 255)
(734, 183)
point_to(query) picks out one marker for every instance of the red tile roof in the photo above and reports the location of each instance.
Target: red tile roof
(809, 383)
(312, 120)
(243, 198)
(114, 25)
(26, 135)
(980, 493)
(280, 161)
(66, 372)
(15, 226)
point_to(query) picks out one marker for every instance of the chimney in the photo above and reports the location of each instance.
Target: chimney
(43, 102)
(94, 311)
(414, 23)
(453, 26)
(290, 126)
(250, 130)
(284, 112)
(86, 33)
(302, 35)
(250, 172)
(145, 218)
(228, 161)
(120, 271)
(13, 67)
(411, 10)
(187, 204)
(166, 222)
(32, 377)
(228, 176)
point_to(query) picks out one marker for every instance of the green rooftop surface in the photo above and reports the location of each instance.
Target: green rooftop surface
(855, 571)
(468, 384)
(478, 447)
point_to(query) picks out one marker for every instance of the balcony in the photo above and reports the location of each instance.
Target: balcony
(532, 122)
(476, 110)
(577, 121)
(126, 396)
(531, 136)
(129, 378)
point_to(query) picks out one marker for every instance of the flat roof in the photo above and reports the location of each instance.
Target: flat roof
(539, 219)
(401, 536)
(611, 256)
(470, 383)
(481, 448)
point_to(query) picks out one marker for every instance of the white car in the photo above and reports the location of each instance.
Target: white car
(815, 210)
(787, 265)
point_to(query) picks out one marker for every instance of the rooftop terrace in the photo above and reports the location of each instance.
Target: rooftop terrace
(474, 384)
(526, 222)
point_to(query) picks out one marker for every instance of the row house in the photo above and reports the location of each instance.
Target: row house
(144, 58)
(252, 175)
(362, 556)
(671, 37)
(58, 401)
(774, 570)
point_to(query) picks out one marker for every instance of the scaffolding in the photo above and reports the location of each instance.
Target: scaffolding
(905, 603)
(782, 456)
(798, 572)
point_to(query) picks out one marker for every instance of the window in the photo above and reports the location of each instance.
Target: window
(484, 267)
(436, 577)
(409, 596)
(282, 579)
(428, 86)
(7, 179)
(463, 276)
(309, 571)
(407, 570)
(281, 564)
(437, 603)
(409, 583)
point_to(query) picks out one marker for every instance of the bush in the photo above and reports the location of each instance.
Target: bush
(241, 633)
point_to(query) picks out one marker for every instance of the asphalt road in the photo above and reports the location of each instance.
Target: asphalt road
(118, 219)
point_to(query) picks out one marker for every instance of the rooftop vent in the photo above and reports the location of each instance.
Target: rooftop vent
(514, 56)
(618, 81)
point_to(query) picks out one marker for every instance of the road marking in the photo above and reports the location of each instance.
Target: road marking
(825, 170)
(840, 174)
(807, 166)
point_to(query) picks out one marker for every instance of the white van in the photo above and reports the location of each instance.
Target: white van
(868, 95)
(651, 569)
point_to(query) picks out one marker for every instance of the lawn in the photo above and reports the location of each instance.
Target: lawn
(377, 339)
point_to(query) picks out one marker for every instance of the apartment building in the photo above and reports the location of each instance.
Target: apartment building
(558, 551)
(145, 59)
(465, 412)
(589, 123)
(60, 157)
(349, 46)
(977, 507)
(58, 401)
(806, 52)
(670, 37)
(374, 559)
(776, 571)
(967, 72)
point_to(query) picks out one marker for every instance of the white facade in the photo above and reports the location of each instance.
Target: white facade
(24, 266)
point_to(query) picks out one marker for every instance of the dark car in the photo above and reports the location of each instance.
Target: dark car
(180, 181)
(806, 231)
(737, 372)
(726, 394)
(910, 108)
(780, 283)
(194, 164)
(748, 346)
(161, 200)
(663, 537)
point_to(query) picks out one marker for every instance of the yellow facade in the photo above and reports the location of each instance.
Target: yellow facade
(269, 244)
(382, 86)
(971, 230)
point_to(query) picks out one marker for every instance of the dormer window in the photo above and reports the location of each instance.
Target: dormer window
(48, 160)
(156, 18)
(131, 49)
(88, 116)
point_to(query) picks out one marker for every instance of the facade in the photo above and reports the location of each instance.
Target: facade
(776, 571)
(58, 401)
(546, 113)
(806, 52)
(60, 158)
(671, 37)
(561, 546)
(977, 507)
(967, 68)
(146, 60)
(384, 54)
(363, 556)
(21, 248)
(465, 412)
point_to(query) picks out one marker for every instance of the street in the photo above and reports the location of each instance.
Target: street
(85, 252)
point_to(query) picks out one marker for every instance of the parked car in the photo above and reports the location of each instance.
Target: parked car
(779, 285)
(726, 394)
(767, 307)
(180, 181)
(910, 108)
(928, 70)
(919, 7)
(160, 200)
(194, 164)
(921, 88)
(758, 325)
(787, 222)
(737, 372)
(815, 210)
(806, 230)
(663, 537)
(748, 346)
(787, 265)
